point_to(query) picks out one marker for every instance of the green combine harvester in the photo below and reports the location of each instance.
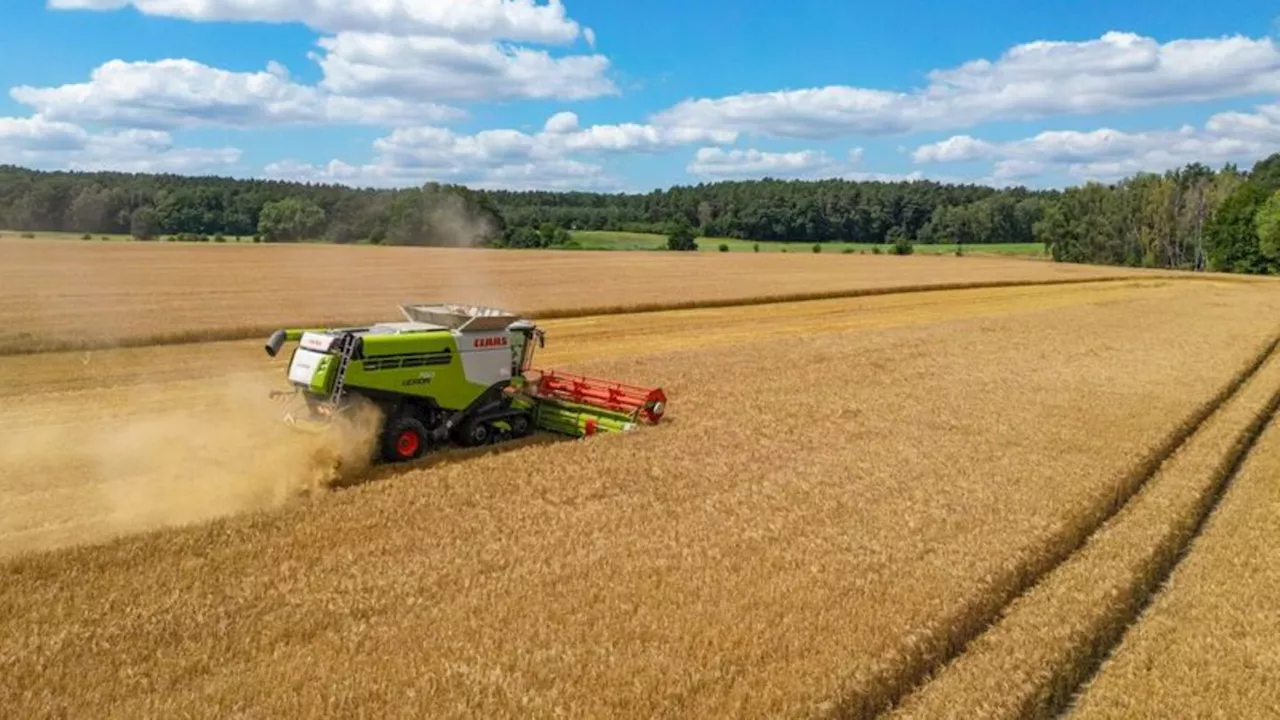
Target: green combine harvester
(451, 375)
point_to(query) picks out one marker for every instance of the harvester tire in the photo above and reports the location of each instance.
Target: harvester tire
(404, 439)
(521, 425)
(475, 433)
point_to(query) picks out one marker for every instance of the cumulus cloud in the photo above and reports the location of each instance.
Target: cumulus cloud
(714, 162)
(561, 155)
(473, 20)
(1106, 154)
(43, 143)
(405, 54)
(441, 68)
(184, 93)
(1117, 71)
(531, 175)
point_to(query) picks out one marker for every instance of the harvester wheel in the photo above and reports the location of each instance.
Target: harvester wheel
(521, 425)
(404, 439)
(475, 433)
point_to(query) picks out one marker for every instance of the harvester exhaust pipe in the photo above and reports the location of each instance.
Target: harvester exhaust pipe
(275, 342)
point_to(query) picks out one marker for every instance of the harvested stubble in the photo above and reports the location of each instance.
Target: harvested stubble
(1207, 645)
(63, 296)
(1051, 639)
(176, 397)
(815, 521)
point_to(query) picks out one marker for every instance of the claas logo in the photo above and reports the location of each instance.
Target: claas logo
(491, 342)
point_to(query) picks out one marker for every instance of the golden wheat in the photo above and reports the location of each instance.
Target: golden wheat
(1206, 647)
(819, 520)
(1053, 637)
(100, 396)
(61, 296)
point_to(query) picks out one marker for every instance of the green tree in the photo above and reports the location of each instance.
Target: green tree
(900, 241)
(522, 236)
(681, 237)
(290, 220)
(1267, 223)
(142, 223)
(553, 235)
(1231, 238)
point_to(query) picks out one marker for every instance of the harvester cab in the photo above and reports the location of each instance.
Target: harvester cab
(450, 374)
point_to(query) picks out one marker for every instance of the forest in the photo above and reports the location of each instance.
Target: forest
(1194, 217)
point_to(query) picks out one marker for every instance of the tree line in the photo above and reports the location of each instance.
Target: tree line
(1194, 217)
(150, 206)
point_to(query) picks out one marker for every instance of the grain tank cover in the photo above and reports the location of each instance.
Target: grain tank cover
(463, 318)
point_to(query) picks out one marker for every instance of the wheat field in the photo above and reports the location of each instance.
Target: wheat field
(61, 295)
(1206, 646)
(845, 499)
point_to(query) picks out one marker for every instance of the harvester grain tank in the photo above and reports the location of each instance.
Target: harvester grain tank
(451, 374)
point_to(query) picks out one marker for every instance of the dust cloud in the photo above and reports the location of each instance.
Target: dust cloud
(169, 466)
(453, 224)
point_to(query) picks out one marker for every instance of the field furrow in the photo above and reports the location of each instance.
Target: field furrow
(1047, 642)
(821, 516)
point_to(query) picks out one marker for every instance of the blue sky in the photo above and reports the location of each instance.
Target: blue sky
(632, 96)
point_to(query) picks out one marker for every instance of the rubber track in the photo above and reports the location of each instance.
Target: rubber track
(1106, 646)
(973, 622)
(250, 332)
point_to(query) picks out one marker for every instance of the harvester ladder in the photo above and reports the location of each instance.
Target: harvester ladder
(340, 383)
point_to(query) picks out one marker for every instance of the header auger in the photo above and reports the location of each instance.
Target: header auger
(450, 374)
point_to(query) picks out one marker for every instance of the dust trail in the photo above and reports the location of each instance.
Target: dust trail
(88, 481)
(453, 224)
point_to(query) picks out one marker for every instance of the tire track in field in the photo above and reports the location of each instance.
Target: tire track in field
(1222, 485)
(1051, 639)
(951, 636)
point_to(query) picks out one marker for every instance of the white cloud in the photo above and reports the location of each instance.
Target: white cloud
(39, 142)
(561, 123)
(440, 68)
(1261, 126)
(954, 149)
(278, 69)
(184, 93)
(1118, 71)
(556, 157)
(717, 162)
(550, 174)
(1107, 154)
(889, 177)
(472, 20)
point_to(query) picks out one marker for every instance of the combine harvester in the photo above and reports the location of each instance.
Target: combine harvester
(457, 375)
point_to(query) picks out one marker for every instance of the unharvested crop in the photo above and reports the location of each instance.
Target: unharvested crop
(58, 295)
(1206, 647)
(164, 395)
(1051, 639)
(819, 517)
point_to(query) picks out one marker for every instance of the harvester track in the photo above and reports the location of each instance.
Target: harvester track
(951, 637)
(1105, 646)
